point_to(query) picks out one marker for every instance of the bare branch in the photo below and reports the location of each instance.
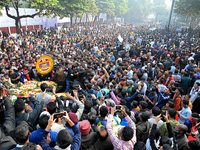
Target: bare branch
(9, 14)
(29, 16)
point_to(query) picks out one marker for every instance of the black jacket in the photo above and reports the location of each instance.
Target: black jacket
(31, 117)
(9, 119)
(152, 136)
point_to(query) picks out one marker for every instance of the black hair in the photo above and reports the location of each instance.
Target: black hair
(194, 145)
(144, 104)
(139, 146)
(180, 89)
(29, 146)
(88, 104)
(118, 114)
(186, 102)
(21, 133)
(43, 86)
(171, 104)
(196, 115)
(127, 133)
(89, 86)
(103, 111)
(123, 93)
(64, 139)
(92, 118)
(144, 116)
(172, 112)
(135, 104)
(156, 111)
(51, 107)
(167, 147)
(43, 121)
(165, 140)
(122, 102)
(19, 105)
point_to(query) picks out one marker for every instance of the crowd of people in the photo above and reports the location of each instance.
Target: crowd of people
(128, 88)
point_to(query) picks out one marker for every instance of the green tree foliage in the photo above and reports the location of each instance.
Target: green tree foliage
(43, 7)
(106, 6)
(71, 8)
(189, 8)
(121, 7)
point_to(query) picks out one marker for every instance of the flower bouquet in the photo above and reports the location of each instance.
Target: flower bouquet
(49, 83)
(28, 87)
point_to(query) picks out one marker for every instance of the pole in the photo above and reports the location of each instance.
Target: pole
(171, 13)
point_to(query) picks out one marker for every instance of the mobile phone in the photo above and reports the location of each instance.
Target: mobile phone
(57, 115)
(118, 107)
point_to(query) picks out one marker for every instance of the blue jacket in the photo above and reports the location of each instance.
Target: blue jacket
(163, 99)
(129, 100)
(188, 123)
(35, 136)
(70, 129)
(76, 144)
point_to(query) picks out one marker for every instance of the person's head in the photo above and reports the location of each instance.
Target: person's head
(196, 85)
(165, 140)
(155, 111)
(92, 118)
(139, 146)
(165, 147)
(64, 139)
(126, 133)
(29, 146)
(22, 133)
(143, 105)
(102, 132)
(142, 80)
(124, 93)
(180, 130)
(43, 86)
(166, 91)
(185, 103)
(178, 90)
(84, 127)
(193, 145)
(88, 105)
(134, 104)
(51, 107)
(153, 90)
(172, 113)
(170, 73)
(103, 111)
(19, 106)
(143, 116)
(43, 121)
(122, 102)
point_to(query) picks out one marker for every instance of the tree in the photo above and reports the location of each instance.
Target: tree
(189, 8)
(70, 8)
(43, 7)
(159, 8)
(138, 9)
(92, 9)
(106, 6)
(121, 7)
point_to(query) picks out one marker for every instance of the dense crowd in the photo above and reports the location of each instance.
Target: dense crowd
(140, 93)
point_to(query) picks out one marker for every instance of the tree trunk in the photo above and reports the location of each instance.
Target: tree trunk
(75, 19)
(71, 19)
(86, 17)
(80, 20)
(17, 25)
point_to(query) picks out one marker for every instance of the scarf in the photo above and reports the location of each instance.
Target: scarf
(193, 120)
